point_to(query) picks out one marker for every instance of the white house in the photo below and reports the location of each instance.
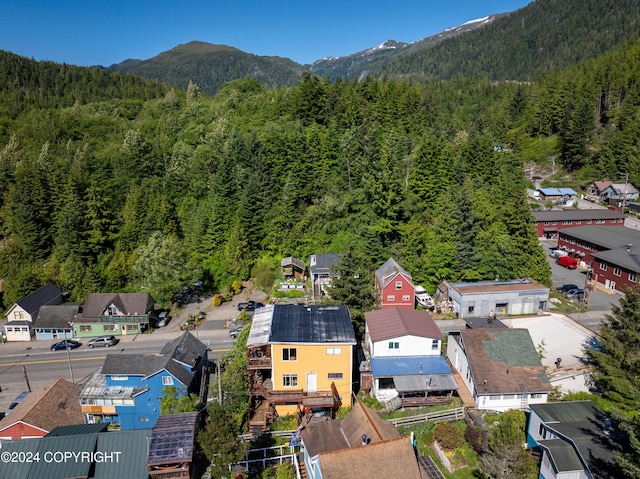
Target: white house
(22, 315)
(500, 368)
(404, 358)
(401, 332)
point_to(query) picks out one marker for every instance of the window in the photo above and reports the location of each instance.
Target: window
(536, 396)
(334, 376)
(554, 223)
(578, 222)
(18, 315)
(617, 271)
(471, 309)
(167, 381)
(603, 266)
(334, 351)
(546, 223)
(143, 419)
(109, 327)
(599, 222)
(391, 297)
(566, 222)
(85, 328)
(435, 345)
(132, 327)
(289, 354)
(406, 297)
(120, 378)
(289, 380)
(398, 284)
(589, 222)
(633, 277)
(386, 383)
(394, 345)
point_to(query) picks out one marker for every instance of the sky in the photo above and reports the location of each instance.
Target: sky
(110, 31)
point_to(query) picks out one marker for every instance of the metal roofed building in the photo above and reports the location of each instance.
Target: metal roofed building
(412, 380)
(299, 356)
(321, 268)
(610, 253)
(500, 368)
(486, 298)
(55, 321)
(128, 387)
(576, 439)
(549, 223)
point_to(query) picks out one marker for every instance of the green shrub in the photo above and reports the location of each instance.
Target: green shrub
(447, 435)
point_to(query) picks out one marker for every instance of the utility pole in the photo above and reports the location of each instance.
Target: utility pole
(219, 384)
(26, 378)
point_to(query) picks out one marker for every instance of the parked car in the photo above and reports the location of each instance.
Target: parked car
(569, 263)
(66, 344)
(235, 331)
(104, 341)
(256, 304)
(16, 401)
(575, 294)
(242, 305)
(163, 319)
(567, 287)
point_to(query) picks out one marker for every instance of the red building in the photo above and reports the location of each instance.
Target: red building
(394, 286)
(611, 253)
(549, 223)
(43, 410)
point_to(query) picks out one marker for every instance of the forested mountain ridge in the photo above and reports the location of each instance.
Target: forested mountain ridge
(210, 66)
(520, 45)
(26, 84)
(120, 194)
(362, 63)
(538, 38)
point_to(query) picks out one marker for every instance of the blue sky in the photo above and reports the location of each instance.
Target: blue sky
(110, 31)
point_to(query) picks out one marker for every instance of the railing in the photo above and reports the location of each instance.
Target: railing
(270, 456)
(448, 415)
(258, 363)
(425, 401)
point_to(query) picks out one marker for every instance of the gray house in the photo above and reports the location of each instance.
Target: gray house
(489, 298)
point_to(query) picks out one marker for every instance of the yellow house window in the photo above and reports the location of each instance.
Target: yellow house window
(334, 351)
(289, 380)
(289, 354)
(334, 376)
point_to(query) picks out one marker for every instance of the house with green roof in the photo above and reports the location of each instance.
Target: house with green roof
(500, 368)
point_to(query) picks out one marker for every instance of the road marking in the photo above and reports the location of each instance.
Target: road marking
(51, 361)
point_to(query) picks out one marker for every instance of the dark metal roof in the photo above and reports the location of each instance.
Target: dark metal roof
(57, 315)
(172, 439)
(609, 237)
(186, 349)
(45, 295)
(324, 263)
(581, 441)
(132, 462)
(626, 259)
(580, 215)
(79, 429)
(145, 365)
(297, 323)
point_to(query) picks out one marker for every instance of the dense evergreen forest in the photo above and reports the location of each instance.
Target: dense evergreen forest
(135, 192)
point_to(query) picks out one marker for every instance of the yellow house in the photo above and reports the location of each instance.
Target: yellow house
(299, 357)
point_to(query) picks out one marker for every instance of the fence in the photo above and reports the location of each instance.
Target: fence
(448, 415)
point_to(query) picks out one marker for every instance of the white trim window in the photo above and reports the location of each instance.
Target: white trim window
(167, 380)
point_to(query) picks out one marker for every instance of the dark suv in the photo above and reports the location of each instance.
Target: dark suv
(106, 341)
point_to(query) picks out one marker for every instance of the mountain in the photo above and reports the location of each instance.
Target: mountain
(373, 59)
(543, 36)
(210, 66)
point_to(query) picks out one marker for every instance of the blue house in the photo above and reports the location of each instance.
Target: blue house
(127, 389)
(55, 321)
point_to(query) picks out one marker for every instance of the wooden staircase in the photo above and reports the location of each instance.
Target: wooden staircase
(303, 471)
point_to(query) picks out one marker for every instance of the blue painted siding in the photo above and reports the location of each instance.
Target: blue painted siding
(146, 410)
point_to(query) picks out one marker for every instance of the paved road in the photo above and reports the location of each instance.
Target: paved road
(43, 365)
